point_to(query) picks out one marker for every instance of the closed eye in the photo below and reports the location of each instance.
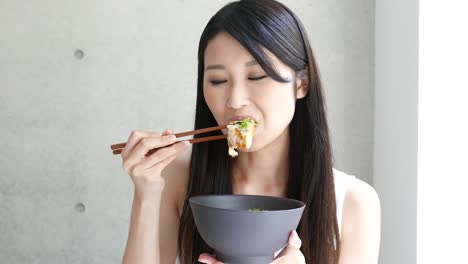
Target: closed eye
(217, 82)
(257, 78)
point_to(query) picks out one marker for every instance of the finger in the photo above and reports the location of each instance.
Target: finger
(156, 169)
(149, 143)
(209, 259)
(294, 240)
(159, 167)
(282, 257)
(289, 255)
(294, 243)
(167, 132)
(138, 154)
(163, 154)
(134, 138)
(279, 251)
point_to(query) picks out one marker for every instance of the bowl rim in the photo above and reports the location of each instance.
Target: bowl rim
(250, 195)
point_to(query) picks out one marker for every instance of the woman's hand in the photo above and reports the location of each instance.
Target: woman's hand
(291, 254)
(144, 170)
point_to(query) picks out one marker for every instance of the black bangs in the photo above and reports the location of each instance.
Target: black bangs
(253, 26)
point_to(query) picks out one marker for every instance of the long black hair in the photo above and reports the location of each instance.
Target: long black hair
(268, 24)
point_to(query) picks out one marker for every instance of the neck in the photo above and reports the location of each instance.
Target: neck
(263, 172)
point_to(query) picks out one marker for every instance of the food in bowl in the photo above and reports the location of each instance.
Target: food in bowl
(238, 236)
(256, 210)
(240, 134)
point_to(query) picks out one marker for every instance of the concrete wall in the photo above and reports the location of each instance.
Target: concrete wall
(396, 126)
(77, 76)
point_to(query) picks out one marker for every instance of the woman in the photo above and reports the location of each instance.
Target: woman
(255, 61)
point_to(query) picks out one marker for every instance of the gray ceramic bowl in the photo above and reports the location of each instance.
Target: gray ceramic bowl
(240, 236)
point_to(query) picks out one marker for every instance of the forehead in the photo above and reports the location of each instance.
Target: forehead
(223, 47)
(226, 50)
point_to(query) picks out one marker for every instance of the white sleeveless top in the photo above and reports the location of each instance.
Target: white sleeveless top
(342, 182)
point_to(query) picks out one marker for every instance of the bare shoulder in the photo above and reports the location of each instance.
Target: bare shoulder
(360, 224)
(360, 195)
(176, 177)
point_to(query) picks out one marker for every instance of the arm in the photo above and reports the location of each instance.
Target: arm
(154, 223)
(360, 235)
(143, 245)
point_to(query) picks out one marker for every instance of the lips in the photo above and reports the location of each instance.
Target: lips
(240, 117)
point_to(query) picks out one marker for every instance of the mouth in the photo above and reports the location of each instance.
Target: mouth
(241, 117)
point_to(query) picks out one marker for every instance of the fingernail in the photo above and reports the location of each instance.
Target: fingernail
(292, 234)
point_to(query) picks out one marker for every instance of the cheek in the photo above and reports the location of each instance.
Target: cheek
(277, 103)
(279, 113)
(277, 107)
(215, 101)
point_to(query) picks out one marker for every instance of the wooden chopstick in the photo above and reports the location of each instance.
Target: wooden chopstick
(193, 141)
(117, 148)
(178, 135)
(199, 131)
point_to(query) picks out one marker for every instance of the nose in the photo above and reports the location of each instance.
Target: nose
(238, 96)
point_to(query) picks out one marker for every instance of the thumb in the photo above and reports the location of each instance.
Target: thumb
(167, 132)
(294, 240)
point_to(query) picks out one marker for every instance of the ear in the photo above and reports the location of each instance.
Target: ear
(302, 87)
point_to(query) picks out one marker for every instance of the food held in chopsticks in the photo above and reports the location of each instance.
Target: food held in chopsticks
(240, 134)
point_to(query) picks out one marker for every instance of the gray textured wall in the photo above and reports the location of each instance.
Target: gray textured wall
(396, 151)
(63, 197)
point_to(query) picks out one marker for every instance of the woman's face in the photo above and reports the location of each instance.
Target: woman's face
(236, 86)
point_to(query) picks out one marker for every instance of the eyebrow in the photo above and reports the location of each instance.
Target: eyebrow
(221, 67)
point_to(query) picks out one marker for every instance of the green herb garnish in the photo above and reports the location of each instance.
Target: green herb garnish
(245, 124)
(256, 210)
